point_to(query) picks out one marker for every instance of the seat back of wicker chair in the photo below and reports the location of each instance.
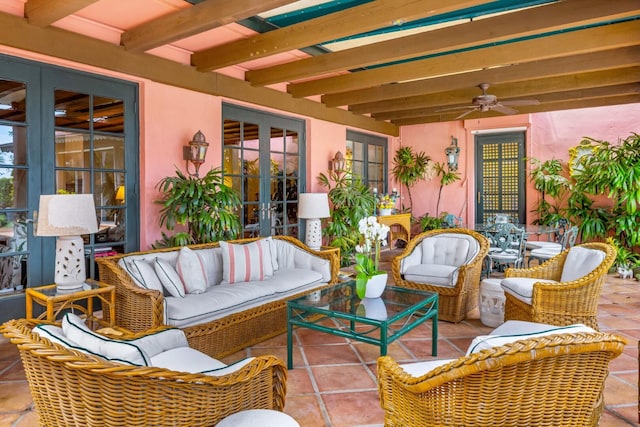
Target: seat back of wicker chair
(505, 386)
(125, 395)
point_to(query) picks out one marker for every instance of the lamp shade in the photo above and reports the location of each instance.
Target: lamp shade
(66, 215)
(313, 205)
(120, 194)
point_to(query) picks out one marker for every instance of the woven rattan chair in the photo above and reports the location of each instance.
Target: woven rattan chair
(555, 380)
(561, 303)
(70, 388)
(457, 300)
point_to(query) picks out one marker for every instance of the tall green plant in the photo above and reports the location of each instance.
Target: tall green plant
(351, 201)
(447, 177)
(549, 179)
(409, 167)
(612, 170)
(206, 206)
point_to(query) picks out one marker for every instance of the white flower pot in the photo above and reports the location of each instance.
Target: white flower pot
(385, 212)
(373, 308)
(375, 286)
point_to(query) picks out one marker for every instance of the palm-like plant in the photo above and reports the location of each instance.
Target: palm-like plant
(206, 206)
(409, 167)
(446, 177)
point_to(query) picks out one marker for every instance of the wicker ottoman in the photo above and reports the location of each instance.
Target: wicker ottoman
(258, 417)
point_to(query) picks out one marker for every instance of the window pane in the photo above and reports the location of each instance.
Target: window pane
(108, 152)
(13, 145)
(108, 114)
(13, 188)
(291, 144)
(72, 150)
(72, 110)
(13, 101)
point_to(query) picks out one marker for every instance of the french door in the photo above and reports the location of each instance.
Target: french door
(62, 131)
(263, 159)
(500, 176)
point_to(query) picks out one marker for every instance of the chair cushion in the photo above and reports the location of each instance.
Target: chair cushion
(193, 274)
(545, 252)
(289, 279)
(212, 260)
(580, 262)
(246, 262)
(537, 244)
(434, 274)
(510, 332)
(80, 335)
(449, 249)
(185, 359)
(169, 278)
(420, 368)
(144, 274)
(522, 287)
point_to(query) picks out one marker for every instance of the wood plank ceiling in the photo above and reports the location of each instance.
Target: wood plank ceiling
(376, 65)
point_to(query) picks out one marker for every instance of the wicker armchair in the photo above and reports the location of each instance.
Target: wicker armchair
(555, 380)
(561, 303)
(457, 300)
(70, 388)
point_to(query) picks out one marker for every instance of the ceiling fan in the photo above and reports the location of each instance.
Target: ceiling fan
(488, 102)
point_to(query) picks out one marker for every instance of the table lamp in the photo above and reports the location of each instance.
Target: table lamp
(312, 207)
(67, 217)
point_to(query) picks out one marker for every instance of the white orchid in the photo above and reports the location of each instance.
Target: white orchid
(373, 237)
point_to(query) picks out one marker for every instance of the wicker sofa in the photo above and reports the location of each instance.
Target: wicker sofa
(139, 309)
(71, 388)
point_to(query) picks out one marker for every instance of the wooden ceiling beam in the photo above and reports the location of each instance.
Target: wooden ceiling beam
(16, 32)
(546, 98)
(564, 105)
(359, 19)
(570, 43)
(525, 88)
(565, 65)
(42, 13)
(552, 17)
(186, 22)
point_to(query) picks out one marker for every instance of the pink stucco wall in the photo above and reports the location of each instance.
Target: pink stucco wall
(548, 135)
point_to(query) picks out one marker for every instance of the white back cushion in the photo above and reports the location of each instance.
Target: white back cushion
(169, 278)
(449, 249)
(580, 262)
(190, 267)
(212, 260)
(246, 262)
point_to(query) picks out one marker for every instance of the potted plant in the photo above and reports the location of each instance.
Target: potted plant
(446, 177)
(370, 280)
(548, 178)
(409, 167)
(206, 206)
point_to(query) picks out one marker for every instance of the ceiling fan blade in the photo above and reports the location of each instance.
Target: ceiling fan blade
(504, 110)
(456, 108)
(521, 102)
(466, 113)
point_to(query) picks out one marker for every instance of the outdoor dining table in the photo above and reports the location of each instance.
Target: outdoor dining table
(529, 229)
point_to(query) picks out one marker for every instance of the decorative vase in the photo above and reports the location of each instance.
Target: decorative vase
(385, 212)
(373, 308)
(375, 285)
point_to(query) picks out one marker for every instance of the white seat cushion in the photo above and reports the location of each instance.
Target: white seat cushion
(185, 359)
(534, 244)
(580, 262)
(258, 417)
(510, 332)
(420, 368)
(522, 287)
(434, 274)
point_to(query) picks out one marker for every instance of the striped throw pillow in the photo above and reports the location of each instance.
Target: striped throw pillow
(246, 262)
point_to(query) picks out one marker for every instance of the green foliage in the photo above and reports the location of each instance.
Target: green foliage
(409, 167)
(548, 179)
(447, 177)
(205, 206)
(351, 201)
(428, 223)
(6, 192)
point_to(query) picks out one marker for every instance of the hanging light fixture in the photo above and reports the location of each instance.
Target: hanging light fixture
(195, 152)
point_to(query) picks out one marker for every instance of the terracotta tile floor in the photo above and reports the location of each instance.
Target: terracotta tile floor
(333, 382)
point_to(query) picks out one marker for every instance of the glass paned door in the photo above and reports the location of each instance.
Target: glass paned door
(262, 161)
(500, 177)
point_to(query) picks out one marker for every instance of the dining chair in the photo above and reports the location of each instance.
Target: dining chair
(506, 246)
(551, 249)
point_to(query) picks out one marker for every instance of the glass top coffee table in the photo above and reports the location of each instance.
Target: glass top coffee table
(337, 310)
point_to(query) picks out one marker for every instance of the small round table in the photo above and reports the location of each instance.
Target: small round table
(491, 302)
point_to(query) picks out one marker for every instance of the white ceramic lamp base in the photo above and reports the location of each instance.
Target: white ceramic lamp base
(313, 238)
(70, 270)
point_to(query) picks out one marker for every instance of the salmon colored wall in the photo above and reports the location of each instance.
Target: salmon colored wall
(548, 135)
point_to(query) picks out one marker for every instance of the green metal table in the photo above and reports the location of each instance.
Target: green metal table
(337, 310)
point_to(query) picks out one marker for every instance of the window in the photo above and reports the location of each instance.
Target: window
(367, 158)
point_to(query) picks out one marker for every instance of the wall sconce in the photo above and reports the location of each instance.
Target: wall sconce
(338, 163)
(195, 152)
(452, 152)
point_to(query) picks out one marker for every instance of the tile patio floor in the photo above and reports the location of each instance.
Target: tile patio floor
(333, 382)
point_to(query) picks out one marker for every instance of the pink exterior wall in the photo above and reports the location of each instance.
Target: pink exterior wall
(548, 135)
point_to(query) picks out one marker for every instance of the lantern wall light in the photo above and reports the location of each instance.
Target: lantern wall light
(195, 152)
(452, 152)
